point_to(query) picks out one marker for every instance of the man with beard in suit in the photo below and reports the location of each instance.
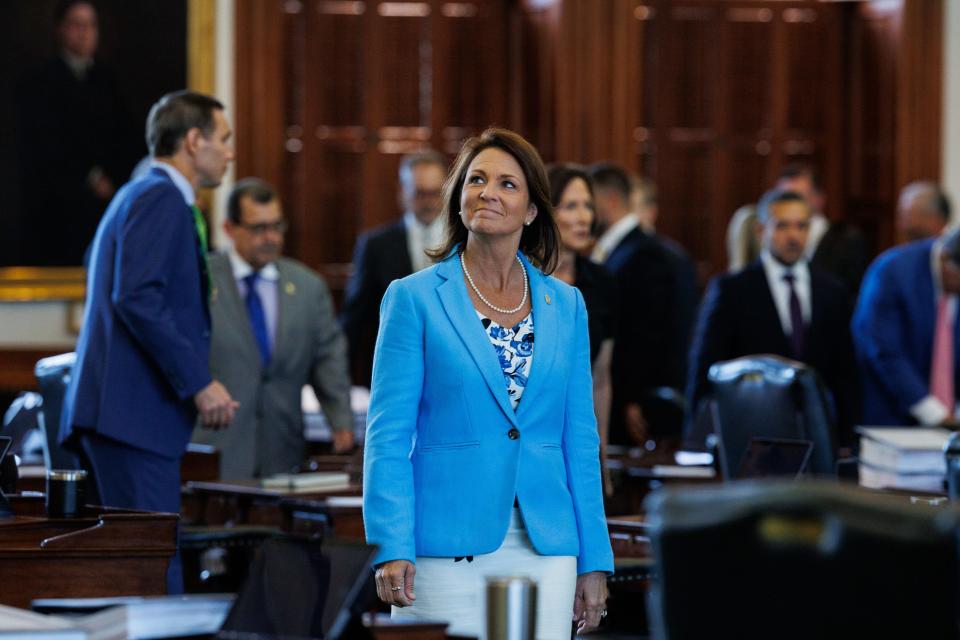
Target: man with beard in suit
(273, 332)
(391, 252)
(778, 305)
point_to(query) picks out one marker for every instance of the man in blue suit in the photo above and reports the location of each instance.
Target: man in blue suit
(142, 372)
(907, 366)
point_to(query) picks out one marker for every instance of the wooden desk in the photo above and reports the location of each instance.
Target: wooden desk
(247, 503)
(105, 552)
(200, 462)
(633, 477)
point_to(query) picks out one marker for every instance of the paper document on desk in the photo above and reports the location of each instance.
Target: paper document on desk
(136, 618)
(20, 623)
(307, 481)
(875, 478)
(909, 450)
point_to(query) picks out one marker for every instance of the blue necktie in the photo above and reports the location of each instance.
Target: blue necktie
(796, 318)
(258, 319)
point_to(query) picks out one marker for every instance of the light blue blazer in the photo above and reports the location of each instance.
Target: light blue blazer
(440, 471)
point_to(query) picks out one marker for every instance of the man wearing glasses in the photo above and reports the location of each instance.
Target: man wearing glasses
(273, 332)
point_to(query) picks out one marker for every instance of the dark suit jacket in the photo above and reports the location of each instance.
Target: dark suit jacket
(738, 318)
(893, 329)
(656, 306)
(842, 253)
(381, 256)
(144, 348)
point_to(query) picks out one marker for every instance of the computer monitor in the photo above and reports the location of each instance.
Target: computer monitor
(775, 458)
(300, 589)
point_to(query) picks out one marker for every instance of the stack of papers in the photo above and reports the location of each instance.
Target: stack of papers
(307, 482)
(138, 617)
(18, 623)
(903, 457)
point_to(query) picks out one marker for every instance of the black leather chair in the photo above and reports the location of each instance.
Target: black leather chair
(771, 397)
(809, 559)
(22, 423)
(53, 374)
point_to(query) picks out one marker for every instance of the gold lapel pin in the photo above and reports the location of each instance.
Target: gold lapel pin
(546, 297)
(290, 288)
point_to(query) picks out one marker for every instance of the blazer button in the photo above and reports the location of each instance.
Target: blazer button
(513, 434)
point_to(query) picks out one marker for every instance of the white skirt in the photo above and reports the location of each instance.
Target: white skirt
(455, 592)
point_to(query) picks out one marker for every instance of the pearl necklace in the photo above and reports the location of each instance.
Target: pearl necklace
(507, 312)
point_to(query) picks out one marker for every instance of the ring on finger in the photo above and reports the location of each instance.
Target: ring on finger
(396, 588)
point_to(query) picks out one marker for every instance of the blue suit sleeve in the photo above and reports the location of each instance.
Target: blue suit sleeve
(153, 243)
(877, 334)
(581, 450)
(388, 488)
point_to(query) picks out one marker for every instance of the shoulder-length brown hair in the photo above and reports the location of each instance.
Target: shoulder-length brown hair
(540, 240)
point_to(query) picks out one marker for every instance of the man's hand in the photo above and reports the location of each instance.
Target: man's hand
(215, 405)
(636, 424)
(343, 441)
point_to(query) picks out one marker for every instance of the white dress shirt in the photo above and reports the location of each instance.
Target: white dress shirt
(179, 180)
(613, 236)
(422, 237)
(929, 410)
(780, 290)
(267, 285)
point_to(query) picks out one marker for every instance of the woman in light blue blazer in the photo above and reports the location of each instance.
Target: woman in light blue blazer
(482, 454)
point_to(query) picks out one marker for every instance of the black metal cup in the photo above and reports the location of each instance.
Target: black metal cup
(66, 492)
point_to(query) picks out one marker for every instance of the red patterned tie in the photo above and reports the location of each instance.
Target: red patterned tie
(941, 365)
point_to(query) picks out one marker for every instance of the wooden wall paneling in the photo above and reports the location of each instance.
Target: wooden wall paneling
(919, 91)
(258, 106)
(571, 86)
(687, 134)
(327, 79)
(641, 61)
(472, 77)
(747, 103)
(534, 26)
(398, 98)
(870, 137)
(814, 67)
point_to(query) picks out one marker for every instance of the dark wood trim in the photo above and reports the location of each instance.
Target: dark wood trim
(16, 367)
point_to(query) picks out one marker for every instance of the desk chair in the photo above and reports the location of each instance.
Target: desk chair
(53, 374)
(801, 560)
(771, 397)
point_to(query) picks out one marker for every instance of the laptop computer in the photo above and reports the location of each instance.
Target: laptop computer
(775, 458)
(300, 589)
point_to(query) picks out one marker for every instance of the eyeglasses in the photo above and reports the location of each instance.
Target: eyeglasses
(280, 226)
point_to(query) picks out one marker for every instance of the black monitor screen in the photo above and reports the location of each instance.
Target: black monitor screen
(775, 458)
(299, 589)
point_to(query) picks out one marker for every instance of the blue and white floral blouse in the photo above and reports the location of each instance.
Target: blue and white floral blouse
(514, 348)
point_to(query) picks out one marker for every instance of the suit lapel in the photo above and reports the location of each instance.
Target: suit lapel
(544, 301)
(227, 295)
(286, 297)
(456, 303)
